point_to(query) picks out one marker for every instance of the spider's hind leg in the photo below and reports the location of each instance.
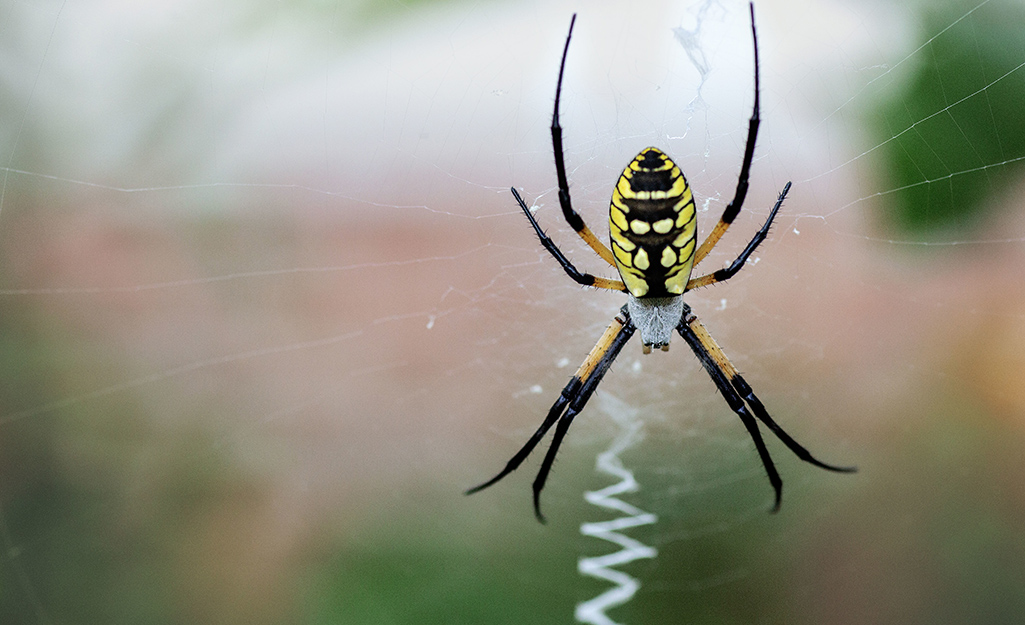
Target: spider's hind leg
(736, 391)
(763, 415)
(569, 393)
(570, 402)
(599, 361)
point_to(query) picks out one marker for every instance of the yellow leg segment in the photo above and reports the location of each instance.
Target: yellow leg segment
(707, 245)
(600, 248)
(611, 285)
(599, 349)
(713, 349)
(705, 280)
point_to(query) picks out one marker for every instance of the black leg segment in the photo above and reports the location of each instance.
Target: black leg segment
(736, 391)
(569, 404)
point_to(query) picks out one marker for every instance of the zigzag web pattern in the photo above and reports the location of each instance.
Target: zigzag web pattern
(601, 567)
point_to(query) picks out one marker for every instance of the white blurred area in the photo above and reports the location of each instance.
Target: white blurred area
(371, 102)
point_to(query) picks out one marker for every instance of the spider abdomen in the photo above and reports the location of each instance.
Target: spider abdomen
(652, 224)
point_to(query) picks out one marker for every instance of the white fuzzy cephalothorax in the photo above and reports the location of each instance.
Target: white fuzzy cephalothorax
(656, 318)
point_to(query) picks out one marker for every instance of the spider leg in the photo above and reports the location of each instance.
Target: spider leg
(572, 217)
(570, 402)
(585, 279)
(568, 394)
(721, 380)
(726, 273)
(733, 208)
(605, 352)
(546, 464)
(735, 391)
(763, 415)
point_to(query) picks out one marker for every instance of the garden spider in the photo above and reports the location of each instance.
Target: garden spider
(652, 223)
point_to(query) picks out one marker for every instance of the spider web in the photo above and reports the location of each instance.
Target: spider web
(268, 307)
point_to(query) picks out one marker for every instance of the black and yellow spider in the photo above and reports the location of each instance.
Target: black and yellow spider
(652, 223)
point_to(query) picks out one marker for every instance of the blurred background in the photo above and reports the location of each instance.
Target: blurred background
(267, 308)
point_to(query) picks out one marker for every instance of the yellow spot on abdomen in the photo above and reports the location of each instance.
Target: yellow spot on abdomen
(639, 227)
(663, 226)
(641, 259)
(668, 257)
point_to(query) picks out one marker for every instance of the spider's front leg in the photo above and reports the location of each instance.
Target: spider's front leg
(733, 208)
(735, 390)
(572, 217)
(570, 402)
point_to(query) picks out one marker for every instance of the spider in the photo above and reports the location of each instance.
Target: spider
(654, 235)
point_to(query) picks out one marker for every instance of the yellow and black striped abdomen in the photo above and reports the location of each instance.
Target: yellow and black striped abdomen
(653, 226)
